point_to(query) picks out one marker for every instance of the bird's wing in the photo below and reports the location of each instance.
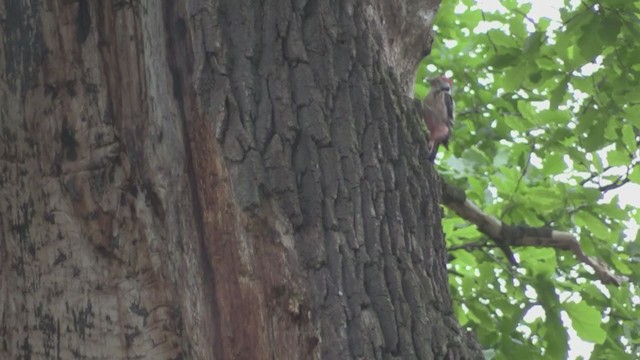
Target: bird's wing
(448, 102)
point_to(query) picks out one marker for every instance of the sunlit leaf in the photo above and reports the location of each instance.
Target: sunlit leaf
(466, 232)
(592, 223)
(421, 91)
(617, 158)
(629, 137)
(635, 175)
(517, 123)
(501, 39)
(554, 164)
(526, 109)
(621, 265)
(555, 334)
(585, 321)
(541, 261)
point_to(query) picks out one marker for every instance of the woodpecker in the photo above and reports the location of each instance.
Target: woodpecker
(438, 114)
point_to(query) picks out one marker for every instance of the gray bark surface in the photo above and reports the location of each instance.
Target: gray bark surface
(219, 180)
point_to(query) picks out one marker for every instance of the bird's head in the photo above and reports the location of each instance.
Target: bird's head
(441, 83)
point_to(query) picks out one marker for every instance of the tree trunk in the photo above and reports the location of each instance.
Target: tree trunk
(218, 179)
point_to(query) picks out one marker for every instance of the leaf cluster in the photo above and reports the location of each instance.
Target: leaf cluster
(547, 134)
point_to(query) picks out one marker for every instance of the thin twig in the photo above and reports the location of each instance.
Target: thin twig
(522, 174)
(614, 185)
(595, 175)
(518, 11)
(495, 48)
(588, 7)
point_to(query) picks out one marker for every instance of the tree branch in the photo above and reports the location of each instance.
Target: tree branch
(594, 175)
(619, 182)
(505, 235)
(614, 185)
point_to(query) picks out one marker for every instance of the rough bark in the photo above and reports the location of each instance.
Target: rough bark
(217, 180)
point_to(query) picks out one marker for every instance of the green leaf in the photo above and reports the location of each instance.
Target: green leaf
(460, 314)
(517, 28)
(503, 60)
(529, 216)
(541, 261)
(635, 175)
(543, 196)
(475, 157)
(618, 158)
(421, 91)
(586, 321)
(526, 109)
(535, 77)
(553, 164)
(558, 93)
(595, 139)
(465, 258)
(553, 117)
(610, 29)
(467, 232)
(633, 115)
(590, 43)
(501, 158)
(422, 72)
(629, 137)
(500, 39)
(489, 354)
(610, 132)
(597, 162)
(592, 223)
(546, 63)
(517, 123)
(621, 264)
(533, 43)
(555, 335)
(590, 124)
(482, 314)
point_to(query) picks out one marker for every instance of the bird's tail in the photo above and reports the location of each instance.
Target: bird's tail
(433, 154)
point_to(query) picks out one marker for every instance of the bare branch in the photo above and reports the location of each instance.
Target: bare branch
(595, 175)
(618, 182)
(614, 185)
(505, 235)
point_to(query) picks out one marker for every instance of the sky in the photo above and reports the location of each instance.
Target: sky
(628, 194)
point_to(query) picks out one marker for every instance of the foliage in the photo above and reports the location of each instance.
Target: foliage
(547, 131)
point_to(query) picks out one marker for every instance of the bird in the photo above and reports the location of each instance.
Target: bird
(438, 114)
